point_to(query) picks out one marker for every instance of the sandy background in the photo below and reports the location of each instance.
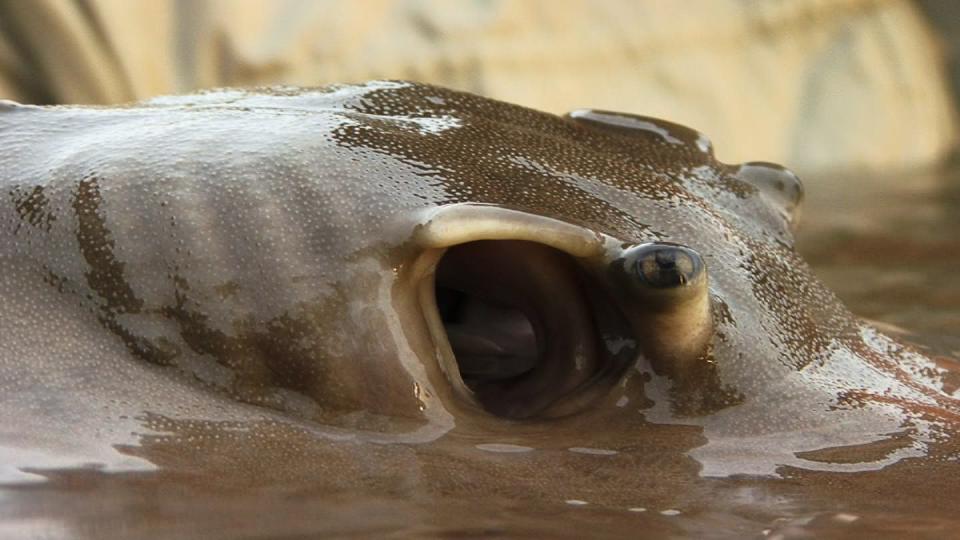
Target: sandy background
(815, 84)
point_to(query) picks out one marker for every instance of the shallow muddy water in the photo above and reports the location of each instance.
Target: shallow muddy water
(889, 246)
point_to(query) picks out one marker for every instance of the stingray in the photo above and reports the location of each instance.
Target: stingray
(393, 308)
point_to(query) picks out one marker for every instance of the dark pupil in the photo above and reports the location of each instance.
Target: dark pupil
(667, 261)
(663, 269)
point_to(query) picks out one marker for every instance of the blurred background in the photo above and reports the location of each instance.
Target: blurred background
(858, 96)
(810, 83)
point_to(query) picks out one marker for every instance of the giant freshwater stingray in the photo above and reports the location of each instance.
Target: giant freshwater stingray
(393, 308)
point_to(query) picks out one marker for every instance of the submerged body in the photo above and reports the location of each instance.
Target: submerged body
(394, 298)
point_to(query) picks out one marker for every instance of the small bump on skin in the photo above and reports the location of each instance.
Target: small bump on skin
(777, 184)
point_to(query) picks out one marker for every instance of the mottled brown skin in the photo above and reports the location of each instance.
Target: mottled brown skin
(217, 319)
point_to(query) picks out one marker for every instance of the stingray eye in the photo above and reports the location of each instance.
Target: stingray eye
(669, 305)
(662, 265)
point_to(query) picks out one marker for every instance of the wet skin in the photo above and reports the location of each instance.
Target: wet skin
(397, 308)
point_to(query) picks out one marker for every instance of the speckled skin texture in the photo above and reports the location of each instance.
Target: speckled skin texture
(219, 291)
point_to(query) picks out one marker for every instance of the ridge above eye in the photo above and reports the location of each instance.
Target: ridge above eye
(655, 129)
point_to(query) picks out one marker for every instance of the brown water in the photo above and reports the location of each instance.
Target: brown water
(889, 245)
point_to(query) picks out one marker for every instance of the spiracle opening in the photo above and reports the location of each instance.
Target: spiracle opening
(530, 333)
